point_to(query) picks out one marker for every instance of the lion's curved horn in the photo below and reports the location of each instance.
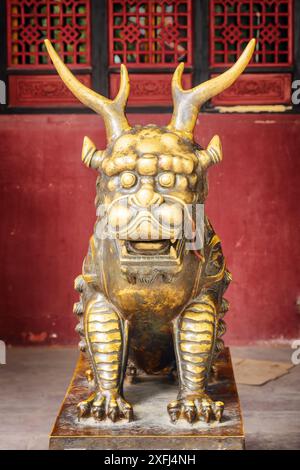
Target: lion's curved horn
(188, 102)
(112, 111)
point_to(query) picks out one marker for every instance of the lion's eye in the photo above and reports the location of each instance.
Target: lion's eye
(128, 180)
(167, 180)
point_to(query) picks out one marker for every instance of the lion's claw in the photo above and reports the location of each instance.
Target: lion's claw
(196, 407)
(82, 410)
(101, 407)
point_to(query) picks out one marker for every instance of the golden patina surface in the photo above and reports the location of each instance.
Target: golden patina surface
(147, 301)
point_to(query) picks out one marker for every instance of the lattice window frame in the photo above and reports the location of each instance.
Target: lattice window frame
(268, 78)
(165, 43)
(151, 86)
(31, 79)
(150, 51)
(65, 23)
(240, 33)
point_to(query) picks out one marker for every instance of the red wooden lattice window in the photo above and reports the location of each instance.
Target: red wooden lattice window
(64, 22)
(150, 34)
(67, 24)
(232, 24)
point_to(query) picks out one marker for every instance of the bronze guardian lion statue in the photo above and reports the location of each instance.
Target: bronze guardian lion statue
(143, 293)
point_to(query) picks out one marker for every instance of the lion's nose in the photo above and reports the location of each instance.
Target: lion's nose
(146, 196)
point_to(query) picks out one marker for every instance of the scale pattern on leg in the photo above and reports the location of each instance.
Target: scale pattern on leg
(196, 337)
(104, 332)
(106, 336)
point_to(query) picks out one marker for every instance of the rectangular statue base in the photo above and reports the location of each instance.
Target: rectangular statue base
(151, 428)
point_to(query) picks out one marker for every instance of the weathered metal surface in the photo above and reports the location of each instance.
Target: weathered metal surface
(152, 428)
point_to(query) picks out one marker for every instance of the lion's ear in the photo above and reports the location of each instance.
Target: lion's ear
(90, 156)
(212, 155)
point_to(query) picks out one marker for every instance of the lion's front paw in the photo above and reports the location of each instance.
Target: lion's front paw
(194, 407)
(105, 405)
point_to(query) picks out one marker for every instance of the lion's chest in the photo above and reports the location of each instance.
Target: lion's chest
(155, 301)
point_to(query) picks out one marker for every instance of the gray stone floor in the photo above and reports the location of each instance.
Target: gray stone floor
(34, 381)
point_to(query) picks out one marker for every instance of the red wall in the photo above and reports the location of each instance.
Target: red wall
(47, 216)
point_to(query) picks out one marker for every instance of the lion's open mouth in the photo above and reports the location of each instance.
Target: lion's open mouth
(150, 250)
(146, 260)
(149, 247)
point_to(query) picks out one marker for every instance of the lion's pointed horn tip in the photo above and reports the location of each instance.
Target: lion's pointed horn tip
(176, 79)
(47, 43)
(251, 44)
(215, 149)
(88, 151)
(124, 72)
(215, 142)
(88, 142)
(180, 68)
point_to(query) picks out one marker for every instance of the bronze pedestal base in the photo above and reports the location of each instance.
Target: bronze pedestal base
(151, 428)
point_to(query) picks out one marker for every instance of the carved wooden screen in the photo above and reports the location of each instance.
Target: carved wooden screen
(148, 36)
(32, 82)
(232, 24)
